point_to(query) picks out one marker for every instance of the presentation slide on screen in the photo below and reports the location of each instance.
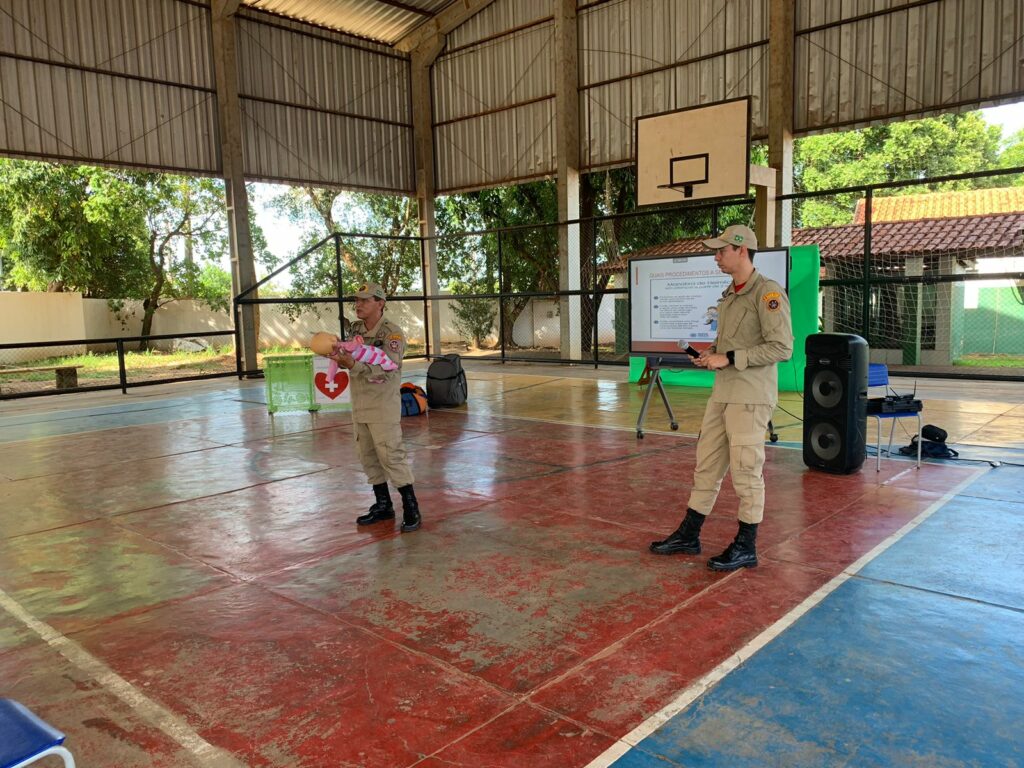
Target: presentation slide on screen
(673, 300)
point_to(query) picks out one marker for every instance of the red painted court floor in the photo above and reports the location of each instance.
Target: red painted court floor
(182, 583)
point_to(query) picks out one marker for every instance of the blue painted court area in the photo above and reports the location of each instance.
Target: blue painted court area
(157, 410)
(916, 661)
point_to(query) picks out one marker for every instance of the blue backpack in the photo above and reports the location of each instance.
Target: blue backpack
(414, 400)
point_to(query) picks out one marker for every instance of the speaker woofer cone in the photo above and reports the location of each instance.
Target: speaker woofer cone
(826, 442)
(827, 389)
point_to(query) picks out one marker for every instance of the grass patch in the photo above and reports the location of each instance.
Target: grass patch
(103, 366)
(107, 361)
(990, 361)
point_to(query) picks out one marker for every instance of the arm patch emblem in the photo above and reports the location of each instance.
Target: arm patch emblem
(772, 301)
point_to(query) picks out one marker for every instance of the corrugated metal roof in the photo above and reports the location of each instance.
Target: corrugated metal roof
(384, 20)
(126, 82)
(899, 61)
(498, 74)
(159, 39)
(497, 148)
(495, 111)
(287, 144)
(323, 107)
(644, 57)
(498, 18)
(130, 81)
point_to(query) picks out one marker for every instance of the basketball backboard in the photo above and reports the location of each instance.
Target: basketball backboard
(695, 153)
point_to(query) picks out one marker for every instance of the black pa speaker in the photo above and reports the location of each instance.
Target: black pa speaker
(835, 402)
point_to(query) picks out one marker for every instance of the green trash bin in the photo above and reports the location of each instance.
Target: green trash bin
(289, 383)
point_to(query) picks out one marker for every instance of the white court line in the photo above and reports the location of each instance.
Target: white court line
(174, 726)
(715, 676)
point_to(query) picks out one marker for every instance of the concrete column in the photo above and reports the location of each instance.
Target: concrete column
(945, 318)
(423, 136)
(912, 312)
(243, 269)
(763, 180)
(567, 143)
(781, 26)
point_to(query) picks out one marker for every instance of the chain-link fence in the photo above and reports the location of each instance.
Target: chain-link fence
(929, 272)
(538, 293)
(323, 280)
(521, 300)
(544, 293)
(41, 368)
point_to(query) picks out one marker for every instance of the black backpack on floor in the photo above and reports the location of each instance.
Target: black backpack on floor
(930, 449)
(933, 444)
(446, 382)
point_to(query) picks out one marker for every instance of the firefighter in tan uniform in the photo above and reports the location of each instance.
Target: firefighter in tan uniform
(754, 333)
(377, 411)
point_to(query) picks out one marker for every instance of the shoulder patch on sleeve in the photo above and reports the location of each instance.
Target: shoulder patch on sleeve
(772, 301)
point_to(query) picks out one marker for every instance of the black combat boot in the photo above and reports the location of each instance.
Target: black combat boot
(382, 508)
(740, 554)
(410, 509)
(686, 538)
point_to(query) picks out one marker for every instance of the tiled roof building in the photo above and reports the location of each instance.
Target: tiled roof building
(943, 205)
(954, 226)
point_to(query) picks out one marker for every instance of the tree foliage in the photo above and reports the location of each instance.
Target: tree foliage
(130, 235)
(56, 234)
(527, 246)
(318, 213)
(115, 234)
(1012, 154)
(919, 149)
(473, 317)
(527, 239)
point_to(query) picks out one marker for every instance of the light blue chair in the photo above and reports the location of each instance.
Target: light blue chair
(878, 376)
(25, 738)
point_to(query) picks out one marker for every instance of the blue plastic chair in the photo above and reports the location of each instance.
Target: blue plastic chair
(878, 376)
(25, 738)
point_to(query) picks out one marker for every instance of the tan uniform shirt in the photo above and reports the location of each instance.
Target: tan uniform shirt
(375, 393)
(755, 325)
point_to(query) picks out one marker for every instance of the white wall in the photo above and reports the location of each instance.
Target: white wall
(100, 323)
(29, 317)
(176, 317)
(538, 324)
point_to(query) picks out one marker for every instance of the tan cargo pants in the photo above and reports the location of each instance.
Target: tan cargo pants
(731, 435)
(382, 452)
